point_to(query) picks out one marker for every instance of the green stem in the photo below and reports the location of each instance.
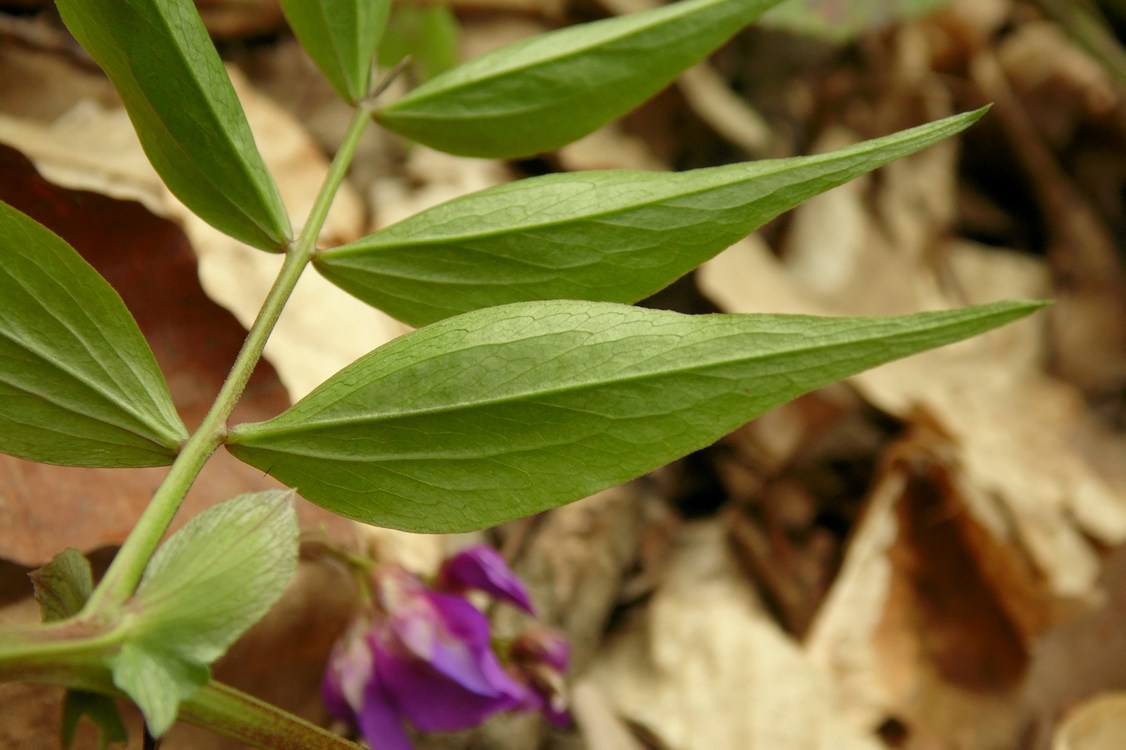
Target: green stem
(125, 572)
(216, 707)
(231, 713)
(28, 646)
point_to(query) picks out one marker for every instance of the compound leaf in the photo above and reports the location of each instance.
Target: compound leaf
(547, 91)
(160, 59)
(616, 236)
(341, 36)
(202, 589)
(511, 410)
(79, 385)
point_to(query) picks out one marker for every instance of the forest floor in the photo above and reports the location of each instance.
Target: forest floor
(931, 555)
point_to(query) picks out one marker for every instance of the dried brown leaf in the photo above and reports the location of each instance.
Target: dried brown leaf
(1096, 724)
(706, 668)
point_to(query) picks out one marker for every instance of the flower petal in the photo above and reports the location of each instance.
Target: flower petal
(433, 702)
(380, 721)
(481, 568)
(348, 672)
(441, 668)
(333, 699)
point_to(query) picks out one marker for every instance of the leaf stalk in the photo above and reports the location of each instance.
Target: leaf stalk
(128, 566)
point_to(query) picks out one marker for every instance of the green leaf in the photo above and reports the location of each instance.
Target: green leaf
(101, 709)
(427, 33)
(616, 236)
(63, 585)
(202, 589)
(158, 680)
(159, 58)
(220, 573)
(547, 91)
(78, 383)
(341, 36)
(511, 410)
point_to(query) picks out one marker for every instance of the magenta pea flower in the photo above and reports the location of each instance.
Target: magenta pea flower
(481, 568)
(425, 657)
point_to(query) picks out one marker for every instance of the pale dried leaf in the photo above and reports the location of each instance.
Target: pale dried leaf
(981, 19)
(1096, 724)
(601, 727)
(832, 232)
(1059, 83)
(841, 638)
(609, 147)
(936, 606)
(428, 178)
(712, 99)
(707, 668)
(747, 277)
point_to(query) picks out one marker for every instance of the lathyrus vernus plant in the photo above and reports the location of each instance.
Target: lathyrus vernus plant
(530, 382)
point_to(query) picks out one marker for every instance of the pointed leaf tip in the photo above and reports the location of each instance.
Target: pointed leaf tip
(508, 411)
(341, 36)
(180, 100)
(590, 235)
(529, 97)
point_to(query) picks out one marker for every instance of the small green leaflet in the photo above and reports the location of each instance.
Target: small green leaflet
(616, 236)
(206, 585)
(427, 33)
(78, 383)
(160, 59)
(508, 411)
(341, 36)
(62, 587)
(158, 680)
(547, 91)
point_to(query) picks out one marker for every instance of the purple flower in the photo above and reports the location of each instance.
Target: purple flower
(540, 657)
(481, 568)
(426, 658)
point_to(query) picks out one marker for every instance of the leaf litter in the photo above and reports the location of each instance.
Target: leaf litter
(926, 556)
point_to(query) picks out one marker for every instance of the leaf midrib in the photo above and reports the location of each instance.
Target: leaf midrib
(310, 425)
(674, 13)
(776, 167)
(92, 385)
